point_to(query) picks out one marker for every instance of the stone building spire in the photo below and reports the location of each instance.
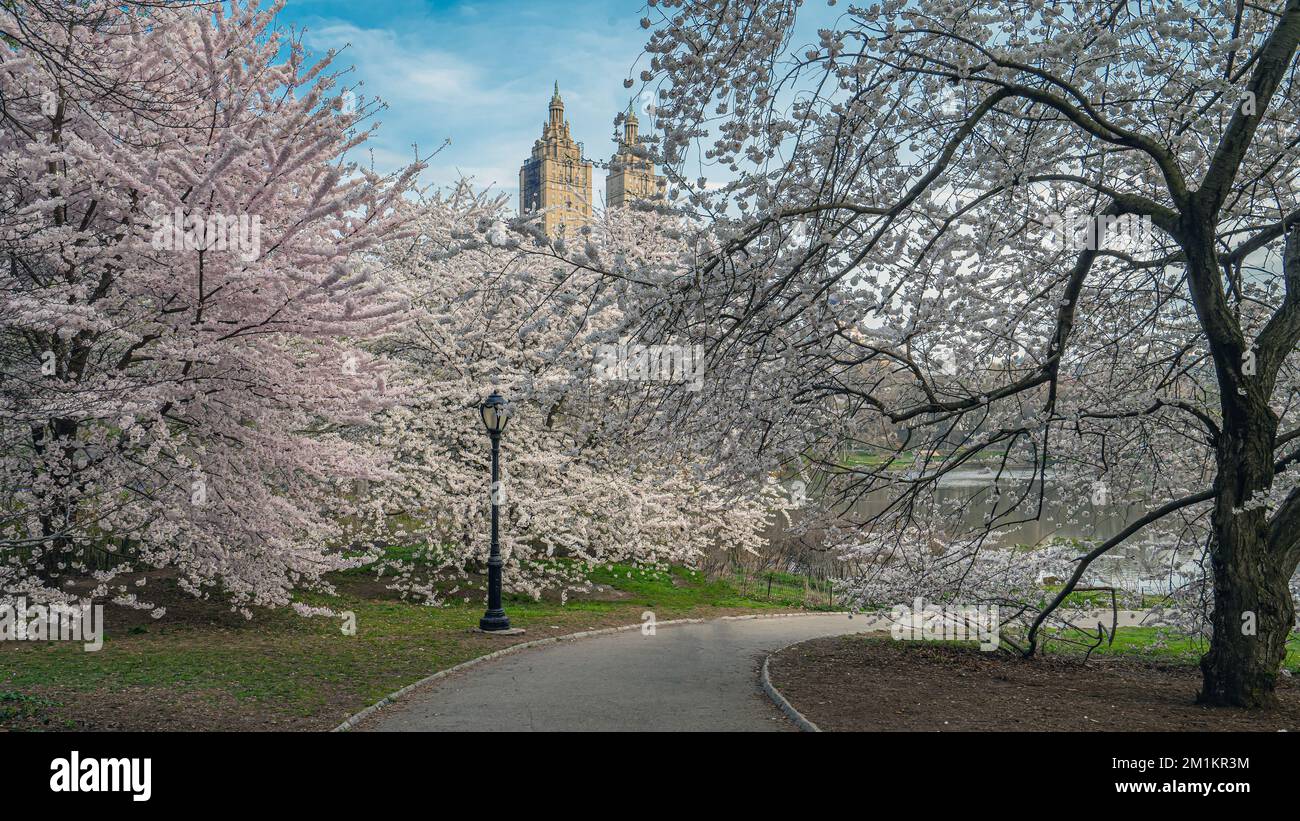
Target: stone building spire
(556, 179)
(629, 129)
(557, 107)
(631, 170)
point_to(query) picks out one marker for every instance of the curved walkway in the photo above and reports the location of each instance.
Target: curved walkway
(685, 677)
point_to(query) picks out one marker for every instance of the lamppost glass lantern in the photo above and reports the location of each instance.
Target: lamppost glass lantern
(495, 411)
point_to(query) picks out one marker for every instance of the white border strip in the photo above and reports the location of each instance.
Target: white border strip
(801, 721)
(355, 719)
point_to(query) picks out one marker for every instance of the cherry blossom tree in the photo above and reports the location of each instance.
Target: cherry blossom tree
(1059, 234)
(186, 255)
(496, 306)
(228, 351)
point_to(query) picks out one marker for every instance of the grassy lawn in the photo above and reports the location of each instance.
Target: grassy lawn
(201, 667)
(786, 590)
(1102, 600)
(867, 459)
(1152, 644)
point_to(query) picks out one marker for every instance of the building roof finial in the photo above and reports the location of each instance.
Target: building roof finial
(630, 125)
(557, 106)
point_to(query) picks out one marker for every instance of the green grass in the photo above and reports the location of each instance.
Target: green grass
(682, 587)
(1151, 643)
(1101, 599)
(224, 672)
(871, 459)
(19, 705)
(785, 590)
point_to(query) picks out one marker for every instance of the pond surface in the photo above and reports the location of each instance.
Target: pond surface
(969, 495)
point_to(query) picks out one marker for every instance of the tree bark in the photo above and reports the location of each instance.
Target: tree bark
(1253, 615)
(1253, 611)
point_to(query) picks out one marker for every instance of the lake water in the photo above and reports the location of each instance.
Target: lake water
(969, 494)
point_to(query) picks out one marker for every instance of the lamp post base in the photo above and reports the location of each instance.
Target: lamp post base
(494, 621)
(509, 631)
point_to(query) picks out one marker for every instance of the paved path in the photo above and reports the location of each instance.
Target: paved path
(685, 677)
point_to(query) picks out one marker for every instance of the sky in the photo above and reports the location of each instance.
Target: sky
(481, 74)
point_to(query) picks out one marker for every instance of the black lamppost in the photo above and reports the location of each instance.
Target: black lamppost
(495, 412)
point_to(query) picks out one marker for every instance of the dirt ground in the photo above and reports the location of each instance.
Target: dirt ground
(853, 683)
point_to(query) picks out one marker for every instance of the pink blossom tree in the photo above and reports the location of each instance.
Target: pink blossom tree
(186, 253)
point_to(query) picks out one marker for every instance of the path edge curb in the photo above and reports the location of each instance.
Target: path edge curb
(356, 718)
(801, 721)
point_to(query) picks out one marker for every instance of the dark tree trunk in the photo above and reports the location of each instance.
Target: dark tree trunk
(1253, 615)
(1253, 611)
(60, 509)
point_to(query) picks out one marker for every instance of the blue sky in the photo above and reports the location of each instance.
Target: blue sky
(480, 73)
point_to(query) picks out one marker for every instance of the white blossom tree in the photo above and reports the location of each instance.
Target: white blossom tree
(495, 306)
(896, 261)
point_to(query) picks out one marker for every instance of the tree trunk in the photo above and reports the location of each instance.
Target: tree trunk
(1253, 615)
(60, 510)
(1253, 611)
